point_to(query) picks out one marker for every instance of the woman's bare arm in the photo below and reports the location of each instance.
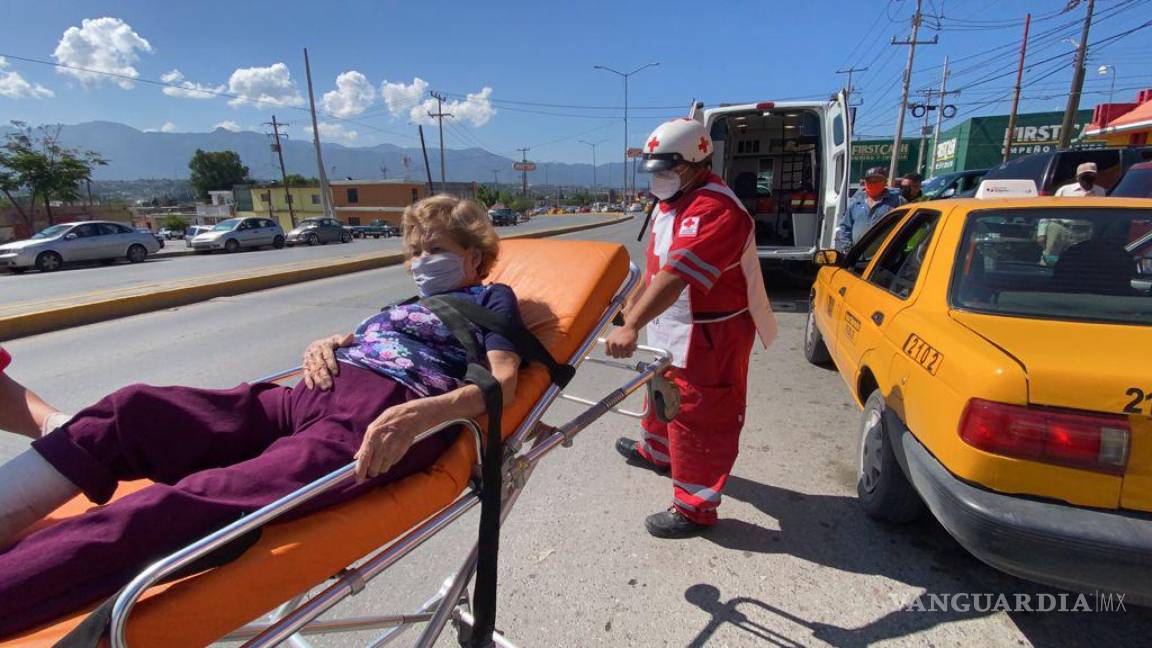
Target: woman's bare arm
(392, 433)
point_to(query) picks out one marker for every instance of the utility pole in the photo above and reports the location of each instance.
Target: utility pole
(944, 92)
(524, 170)
(440, 115)
(496, 178)
(283, 174)
(924, 130)
(1016, 96)
(427, 167)
(325, 192)
(1077, 77)
(849, 88)
(907, 80)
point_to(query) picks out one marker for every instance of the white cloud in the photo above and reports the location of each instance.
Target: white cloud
(352, 96)
(15, 86)
(188, 89)
(167, 127)
(333, 132)
(228, 124)
(401, 98)
(101, 45)
(264, 85)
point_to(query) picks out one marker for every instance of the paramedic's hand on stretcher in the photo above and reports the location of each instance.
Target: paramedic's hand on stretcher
(320, 361)
(660, 294)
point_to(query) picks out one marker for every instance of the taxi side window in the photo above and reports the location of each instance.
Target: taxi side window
(899, 265)
(862, 252)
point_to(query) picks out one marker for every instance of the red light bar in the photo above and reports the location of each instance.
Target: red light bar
(766, 105)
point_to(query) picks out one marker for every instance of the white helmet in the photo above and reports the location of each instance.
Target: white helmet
(676, 141)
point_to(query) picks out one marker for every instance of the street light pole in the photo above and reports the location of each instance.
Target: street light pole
(1104, 70)
(593, 145)
(625, 76)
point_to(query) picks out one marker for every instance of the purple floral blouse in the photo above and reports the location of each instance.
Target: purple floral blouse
(410, 344)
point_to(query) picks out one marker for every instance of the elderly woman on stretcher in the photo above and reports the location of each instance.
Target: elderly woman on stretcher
(218, 454)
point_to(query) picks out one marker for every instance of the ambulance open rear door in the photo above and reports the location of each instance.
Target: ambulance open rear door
(837, 164)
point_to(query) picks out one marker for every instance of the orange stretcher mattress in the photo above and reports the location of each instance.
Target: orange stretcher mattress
(563, 288)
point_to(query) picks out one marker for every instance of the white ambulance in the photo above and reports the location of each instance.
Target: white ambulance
(788, 163)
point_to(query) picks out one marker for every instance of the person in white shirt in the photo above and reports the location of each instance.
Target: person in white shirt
(1085, 184)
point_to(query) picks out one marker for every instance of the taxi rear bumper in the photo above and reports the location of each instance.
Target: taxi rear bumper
(1070, 547)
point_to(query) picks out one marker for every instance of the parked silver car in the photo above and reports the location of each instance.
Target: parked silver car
(235, 233)
(314, 231)
(51, 248)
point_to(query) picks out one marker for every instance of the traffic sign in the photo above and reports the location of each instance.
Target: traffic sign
(634, 152)
(524, 166)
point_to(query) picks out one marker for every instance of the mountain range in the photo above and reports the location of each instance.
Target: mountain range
(134, 154)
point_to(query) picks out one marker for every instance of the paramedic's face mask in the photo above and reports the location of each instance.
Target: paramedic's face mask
(875, 188)
(442, 265)
(665, 184)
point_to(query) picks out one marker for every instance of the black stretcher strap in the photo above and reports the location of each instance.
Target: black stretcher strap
(456, 315)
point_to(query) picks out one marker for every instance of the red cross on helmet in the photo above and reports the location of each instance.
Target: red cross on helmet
(673, 142)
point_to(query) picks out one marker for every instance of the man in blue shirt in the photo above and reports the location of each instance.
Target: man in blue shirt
(866, 207)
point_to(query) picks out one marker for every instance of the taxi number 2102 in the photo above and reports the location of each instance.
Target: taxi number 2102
(1138, 396)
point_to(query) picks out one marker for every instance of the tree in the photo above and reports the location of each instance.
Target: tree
(487, 196)
(175, 223)
(216, 171)
(32, 160)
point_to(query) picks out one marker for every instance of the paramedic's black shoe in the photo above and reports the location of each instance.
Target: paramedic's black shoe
(627, 448)
(672, 525)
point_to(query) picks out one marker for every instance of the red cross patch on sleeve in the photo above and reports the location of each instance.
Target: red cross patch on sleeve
(689, 227)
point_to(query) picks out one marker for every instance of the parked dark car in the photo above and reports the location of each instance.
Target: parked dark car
(1136, 183)
(952, 185)
(1054, 169)
(378, 229)
(315, 231)
(155, 235)
(503, 216)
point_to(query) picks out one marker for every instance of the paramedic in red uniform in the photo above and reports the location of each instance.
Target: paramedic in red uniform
(703, 299)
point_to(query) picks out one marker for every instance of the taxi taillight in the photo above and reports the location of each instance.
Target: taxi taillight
(1086, 440)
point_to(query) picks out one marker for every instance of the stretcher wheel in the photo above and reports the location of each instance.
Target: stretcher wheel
(664, 398)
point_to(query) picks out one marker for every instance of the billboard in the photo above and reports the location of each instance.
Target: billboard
(524, 166)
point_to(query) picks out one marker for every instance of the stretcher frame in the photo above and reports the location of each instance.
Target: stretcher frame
(297, 618)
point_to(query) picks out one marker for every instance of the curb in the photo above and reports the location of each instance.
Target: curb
(182, 294)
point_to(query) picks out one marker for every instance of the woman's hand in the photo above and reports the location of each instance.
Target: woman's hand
(389, 437)
(320, 360)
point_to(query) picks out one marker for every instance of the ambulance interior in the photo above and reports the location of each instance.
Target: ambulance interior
(771, 159)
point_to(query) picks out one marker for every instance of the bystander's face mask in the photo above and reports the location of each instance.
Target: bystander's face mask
(875, 188)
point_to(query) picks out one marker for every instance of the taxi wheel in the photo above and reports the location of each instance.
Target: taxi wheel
(881, 487)
(815, 351)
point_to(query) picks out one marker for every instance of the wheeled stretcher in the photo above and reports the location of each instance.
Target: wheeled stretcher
(276, 590)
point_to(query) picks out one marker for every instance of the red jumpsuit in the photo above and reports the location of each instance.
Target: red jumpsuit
(705, 238)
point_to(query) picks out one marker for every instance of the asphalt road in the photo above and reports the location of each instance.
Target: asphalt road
(794, 562)
(160, 267)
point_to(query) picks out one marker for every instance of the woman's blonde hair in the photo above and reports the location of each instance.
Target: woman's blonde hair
(464, 221)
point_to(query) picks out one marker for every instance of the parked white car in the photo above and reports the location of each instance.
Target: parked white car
(235, 233)
(50, 248)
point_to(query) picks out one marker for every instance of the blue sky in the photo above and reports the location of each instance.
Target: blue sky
(498, 61)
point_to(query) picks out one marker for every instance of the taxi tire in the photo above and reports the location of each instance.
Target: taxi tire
(884, 492)
(815, 351)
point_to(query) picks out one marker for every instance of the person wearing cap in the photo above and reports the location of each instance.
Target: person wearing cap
(703, 299)
(1085, 184)
(866, 207)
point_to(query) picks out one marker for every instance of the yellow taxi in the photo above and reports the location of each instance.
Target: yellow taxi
(1002, 353)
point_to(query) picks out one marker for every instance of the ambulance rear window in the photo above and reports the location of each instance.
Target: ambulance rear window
(1076, 264)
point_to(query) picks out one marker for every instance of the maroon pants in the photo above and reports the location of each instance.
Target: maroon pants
(215, 456)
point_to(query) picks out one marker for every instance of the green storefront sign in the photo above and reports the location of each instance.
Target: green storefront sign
(978, 143)
(872, 153)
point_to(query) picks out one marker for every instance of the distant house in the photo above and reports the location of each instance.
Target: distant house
(1124, 124)
(221, 205)
(272, 202)
(359, 202)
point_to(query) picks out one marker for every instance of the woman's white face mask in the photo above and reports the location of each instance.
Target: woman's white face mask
(438, 273)
(664, 184)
